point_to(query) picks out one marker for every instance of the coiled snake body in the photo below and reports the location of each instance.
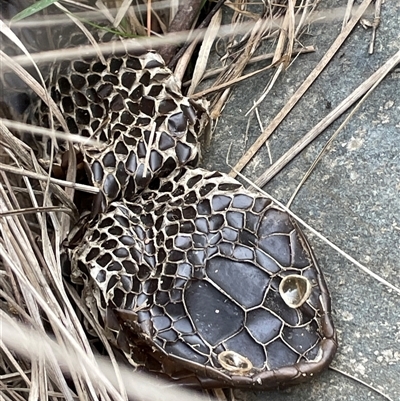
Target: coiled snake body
(192, 275)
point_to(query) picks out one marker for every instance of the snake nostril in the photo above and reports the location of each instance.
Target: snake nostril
(295, 290)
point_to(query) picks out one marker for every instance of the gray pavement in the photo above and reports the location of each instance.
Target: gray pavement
(352, 197)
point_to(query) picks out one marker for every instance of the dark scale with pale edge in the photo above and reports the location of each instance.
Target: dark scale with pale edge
(133, 108)
(216, 280)
(193, 276)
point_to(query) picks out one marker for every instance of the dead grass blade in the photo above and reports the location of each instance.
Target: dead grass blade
(205, 49)
(334, 135)
(122, 11)
(347, 14)
(374, 389)
(286, 35)
(270, 85)
(256, 59)
(84, 30)
(375, 24)
(26, 157)
(301, 90)
(228, 84)
(320, 236)
(375, 78)
(34, 129)
(31, 174)
(8, 62)
(39, 209)
(138, 385)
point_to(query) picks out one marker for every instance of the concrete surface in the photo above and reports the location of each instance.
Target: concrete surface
(352, 197)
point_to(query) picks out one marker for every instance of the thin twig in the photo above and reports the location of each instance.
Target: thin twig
(361, 382)
(227, 84)
(375, 25)
(203, 25)
(31, 210)
(34, 129)
(320, 236)
(332, 116)
(301, 90)
(253, 60)
(332, 138)
(81, 187)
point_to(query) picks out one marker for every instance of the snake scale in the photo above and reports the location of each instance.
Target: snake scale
(192, 276)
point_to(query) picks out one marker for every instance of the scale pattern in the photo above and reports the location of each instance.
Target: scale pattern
(133, 107)
(193, 276)
(193, 267)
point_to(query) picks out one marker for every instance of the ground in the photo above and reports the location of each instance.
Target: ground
(352, 197)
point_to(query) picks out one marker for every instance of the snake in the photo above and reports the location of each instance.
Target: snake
(193, 277)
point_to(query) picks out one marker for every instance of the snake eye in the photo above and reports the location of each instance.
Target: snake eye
(234, 362)
(294, 290)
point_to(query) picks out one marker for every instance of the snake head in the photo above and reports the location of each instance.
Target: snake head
(223, 286)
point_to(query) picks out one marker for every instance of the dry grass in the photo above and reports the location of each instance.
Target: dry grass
(45, 352)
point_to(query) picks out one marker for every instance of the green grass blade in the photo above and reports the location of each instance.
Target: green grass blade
(33, 9)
